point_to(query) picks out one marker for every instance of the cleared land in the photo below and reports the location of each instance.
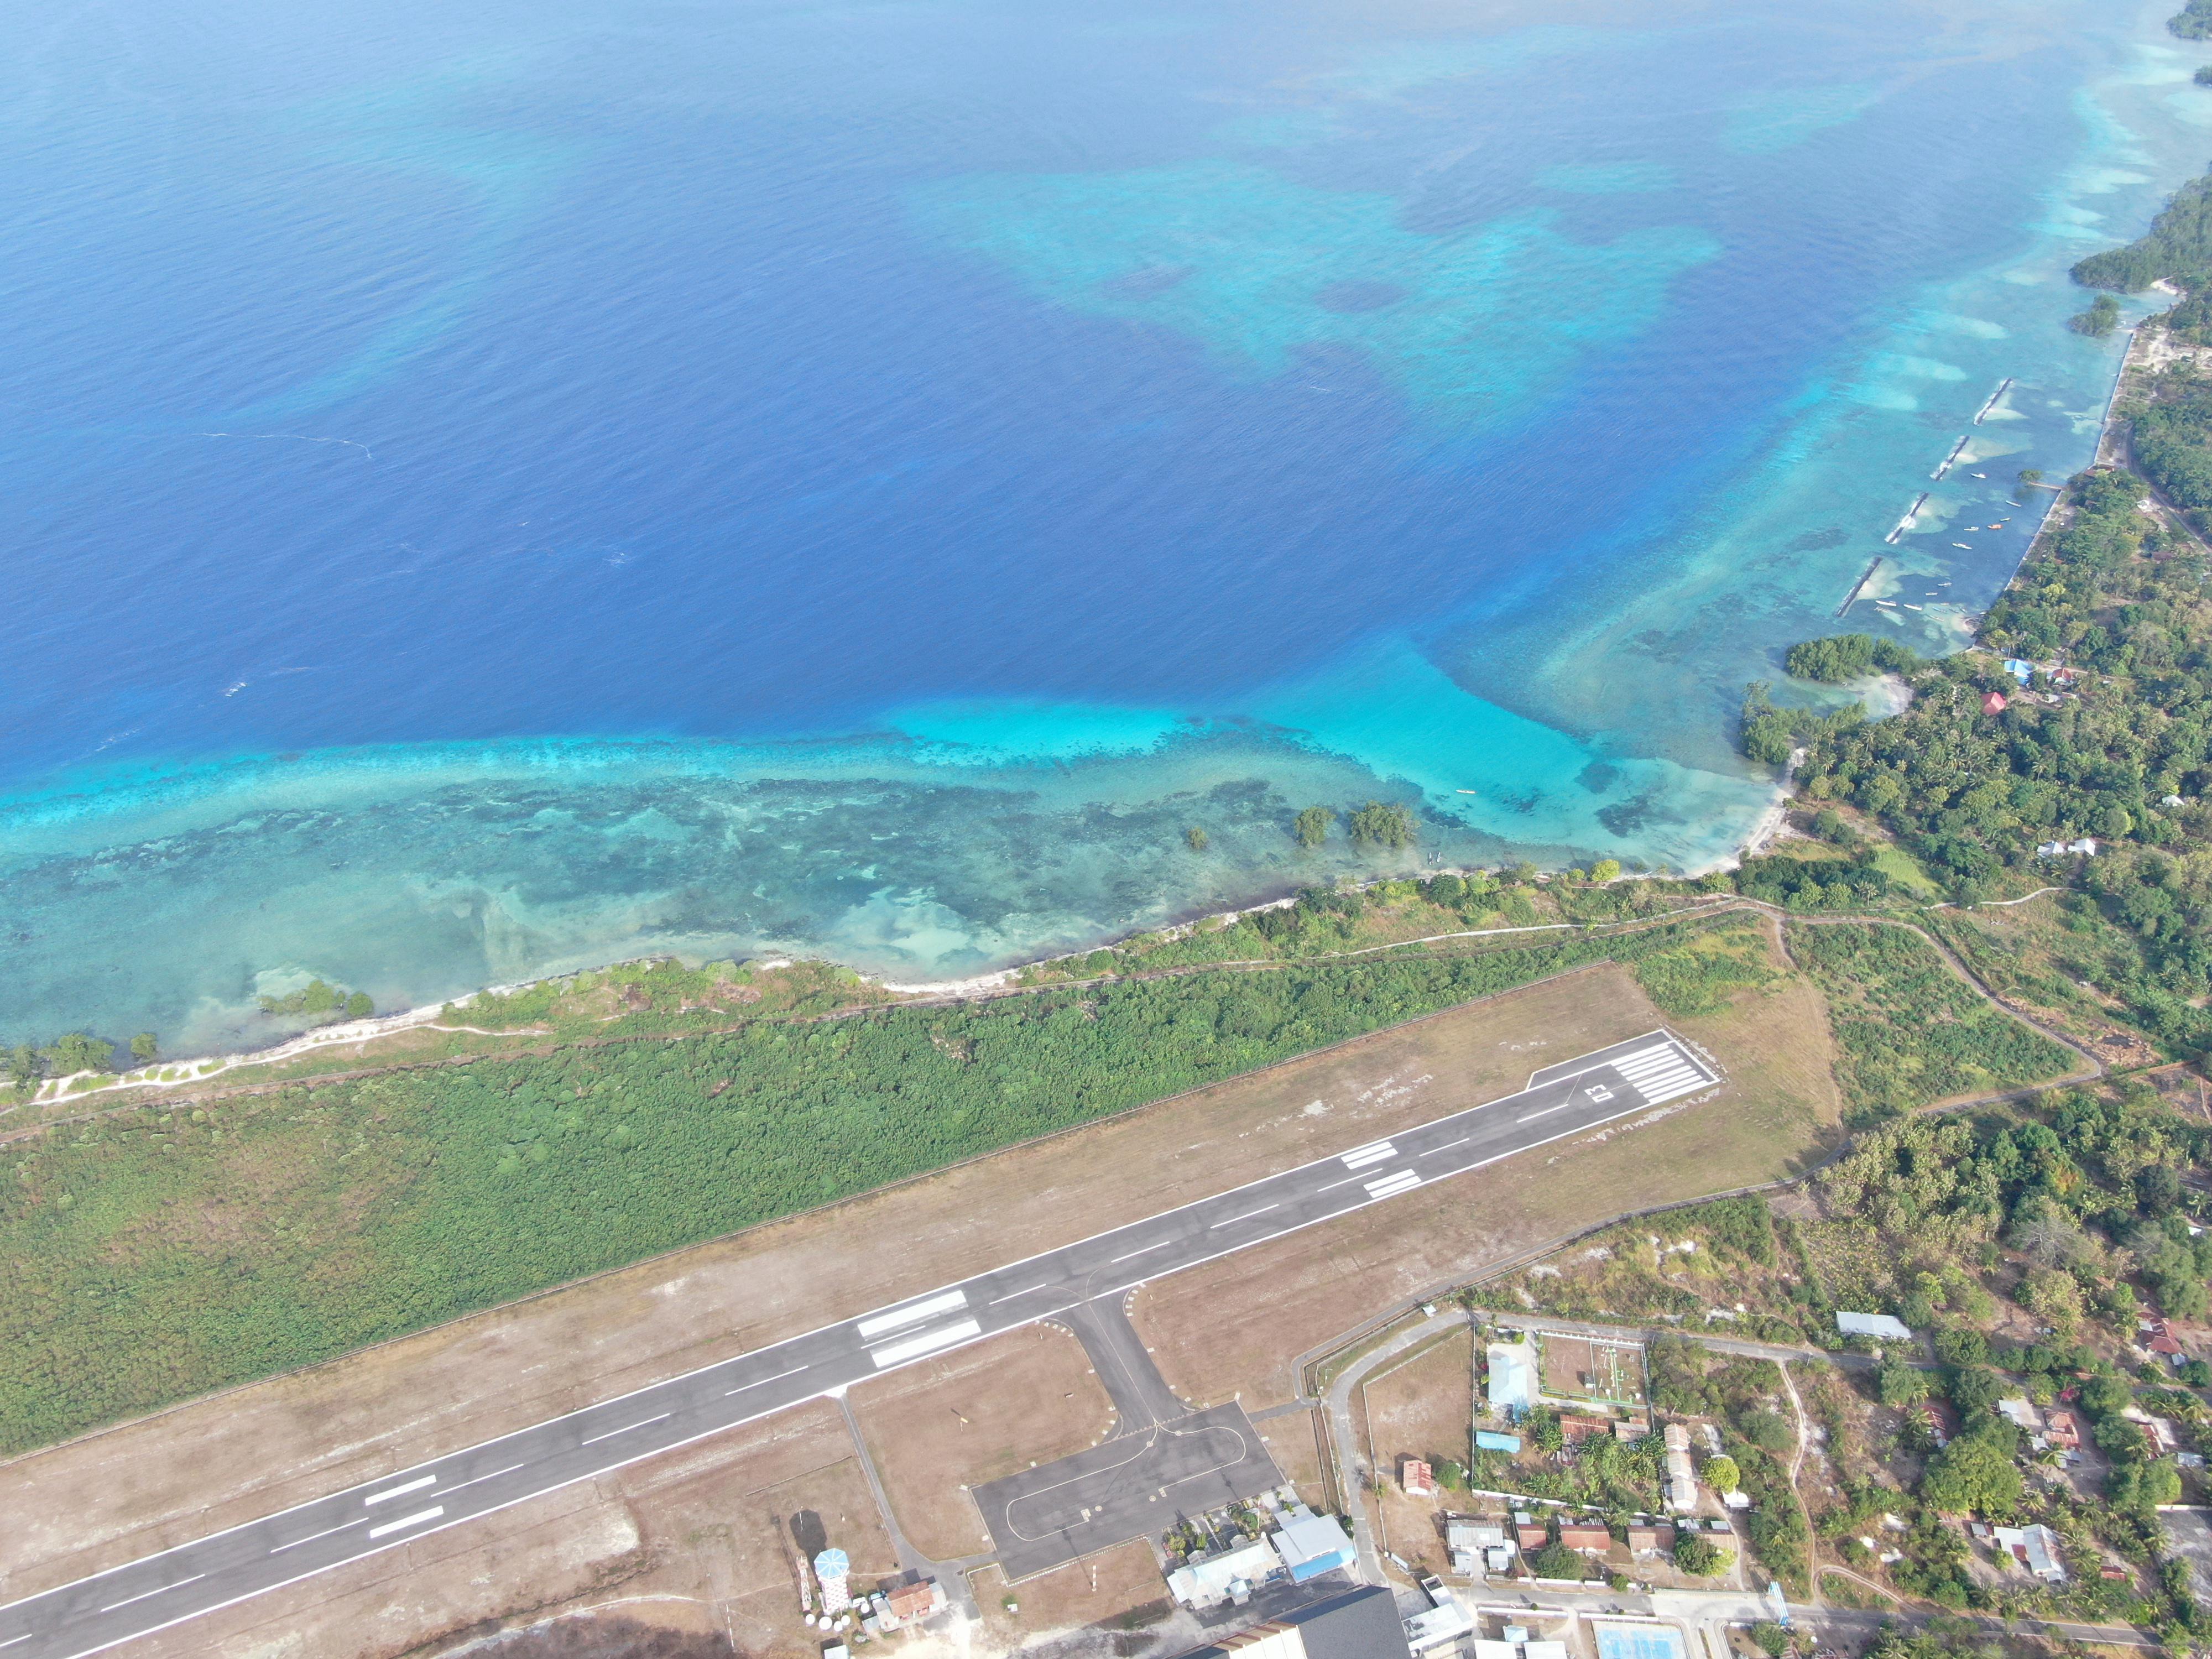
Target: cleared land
(1423, 1407)
(694, 1540)
(988, 1410)
(122, 1493)
(1236, 1327)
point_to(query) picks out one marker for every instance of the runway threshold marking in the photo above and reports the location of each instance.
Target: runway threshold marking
(407, 1521)
(415, 1484)
(641, 1423)
(157, 1590)
(763, 1382)
(1360, 1157)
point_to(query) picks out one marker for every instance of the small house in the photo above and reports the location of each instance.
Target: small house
(1416, 1478)
(1651, 1539)
(1591, 1538)
(1993, 703)
(2061, 1430)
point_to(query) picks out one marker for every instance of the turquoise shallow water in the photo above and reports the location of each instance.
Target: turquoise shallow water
(530, 489)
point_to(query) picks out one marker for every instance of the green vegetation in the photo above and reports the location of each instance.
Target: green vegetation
(2203, 76)
(1844, 657)
(1310, 828)
(321, 1003)
(74, 1052)
(2178, 248)
(2102, 317)
(1908, 1030)
(1195, 838)
(2193, 22)
(159, 1253)
(1698, 1556)
(1383, 824)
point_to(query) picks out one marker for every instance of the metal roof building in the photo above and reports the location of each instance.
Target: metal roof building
(1359, 1624)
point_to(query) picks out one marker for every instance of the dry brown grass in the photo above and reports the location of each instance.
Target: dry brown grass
(936, 1430)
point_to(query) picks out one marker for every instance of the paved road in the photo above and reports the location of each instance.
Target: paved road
(211, 1572)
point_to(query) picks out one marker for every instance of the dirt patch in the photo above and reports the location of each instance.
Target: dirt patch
(1293, 1440)
(1120, 1589)
(1420, 1408)
(695, 1546)
(992, 1409)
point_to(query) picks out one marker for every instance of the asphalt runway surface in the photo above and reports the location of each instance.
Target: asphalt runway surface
(198, 1578)
(1162, 1462)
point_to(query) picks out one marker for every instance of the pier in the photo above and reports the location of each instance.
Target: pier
(1859, 586)
(1912, 516)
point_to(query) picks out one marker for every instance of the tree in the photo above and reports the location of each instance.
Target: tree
(1698, 1556)
(2098, 320)
(1722, 1474)
(75, 1051)
(1556, 1560)
(1771, 1638)
(144, 1047)
(1972, 1475)
(1605, 869)
(1196, 837)
(26, 1064)
(1903, 1384)
(1545, 1432)
(358, 1005)
(1310, 828)
(1380, 824)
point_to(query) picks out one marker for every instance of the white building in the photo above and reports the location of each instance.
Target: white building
(1229, 1576)
(2035, 1548)
(1883, 1327)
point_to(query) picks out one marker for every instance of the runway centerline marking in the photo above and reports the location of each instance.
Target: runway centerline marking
(1248, 1215)
(641, 1423)
(1011, 1295)
(1334, 1185)
(406, 1521)
(1133, 1255)
(1546, 1112)
(765, 1382)
(156, 1590)
(1447, 1146)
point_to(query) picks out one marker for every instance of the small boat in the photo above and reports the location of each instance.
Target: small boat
(1969, 546)
(1978, 474)
(1892, 604)
(1913, 607)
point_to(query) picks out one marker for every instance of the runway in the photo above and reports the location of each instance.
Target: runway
(215, 1572)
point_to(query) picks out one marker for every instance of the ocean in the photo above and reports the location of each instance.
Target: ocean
(489, 489)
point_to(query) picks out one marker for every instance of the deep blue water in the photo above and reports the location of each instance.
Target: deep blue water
(490, 488)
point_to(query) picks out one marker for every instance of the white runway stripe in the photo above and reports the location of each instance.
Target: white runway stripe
(913, 1313)
(928, 1342)
(1360, 1157)
(1390, 1185)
